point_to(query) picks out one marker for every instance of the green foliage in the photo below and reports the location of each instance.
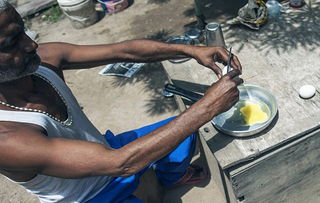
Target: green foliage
(27, 23)
(53, 15)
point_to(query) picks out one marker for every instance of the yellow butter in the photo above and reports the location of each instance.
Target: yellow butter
(252, 114)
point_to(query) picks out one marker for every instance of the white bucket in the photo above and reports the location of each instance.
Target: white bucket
(82, 13)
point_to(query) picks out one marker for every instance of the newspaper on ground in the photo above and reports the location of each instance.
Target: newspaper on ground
(121, 69)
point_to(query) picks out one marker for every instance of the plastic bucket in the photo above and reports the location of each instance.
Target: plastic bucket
(113, 6)
(81, 13)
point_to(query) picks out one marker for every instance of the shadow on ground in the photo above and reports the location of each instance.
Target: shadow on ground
(158, 1)
(297, 28)
(154, 78)
(219, 10)
(161, 36)
(170, 16)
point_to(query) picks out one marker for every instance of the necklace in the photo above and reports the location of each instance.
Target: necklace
(66, 122)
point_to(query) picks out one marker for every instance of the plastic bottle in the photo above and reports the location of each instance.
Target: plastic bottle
(274, 8)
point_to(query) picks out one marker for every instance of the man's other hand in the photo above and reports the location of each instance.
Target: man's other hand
(223, 94)
(208, 55)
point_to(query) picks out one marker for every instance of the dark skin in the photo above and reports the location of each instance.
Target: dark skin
(25, 151)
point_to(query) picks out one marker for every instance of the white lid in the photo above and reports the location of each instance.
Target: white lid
(212, 26)
(193, 33)
(70, 2)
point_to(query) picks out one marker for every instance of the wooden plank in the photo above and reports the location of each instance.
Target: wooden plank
(222, 183)
(34, 6)
(289, 174)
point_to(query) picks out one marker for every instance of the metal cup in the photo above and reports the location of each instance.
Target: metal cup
(214, 35)
(195, 35)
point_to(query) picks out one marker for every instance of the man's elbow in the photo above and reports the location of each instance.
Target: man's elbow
(125, 170)
(121, 169)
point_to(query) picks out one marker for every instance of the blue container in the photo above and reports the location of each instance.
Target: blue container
(103, 4)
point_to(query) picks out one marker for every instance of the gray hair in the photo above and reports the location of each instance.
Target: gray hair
(4, 5)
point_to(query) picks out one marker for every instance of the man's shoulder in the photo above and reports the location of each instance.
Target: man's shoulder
(11, 129)
(16, 150)
(14, 135)
(8, 127)
(50, 53)
(51, 57)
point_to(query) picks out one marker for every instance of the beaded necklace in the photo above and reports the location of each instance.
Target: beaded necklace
(66, 122)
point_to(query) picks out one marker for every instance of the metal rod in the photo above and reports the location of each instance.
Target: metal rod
(229, 60)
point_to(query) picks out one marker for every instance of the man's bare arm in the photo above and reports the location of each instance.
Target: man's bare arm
(70, 56)
(26, 149)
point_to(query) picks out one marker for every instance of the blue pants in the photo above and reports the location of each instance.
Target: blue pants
(169, 169)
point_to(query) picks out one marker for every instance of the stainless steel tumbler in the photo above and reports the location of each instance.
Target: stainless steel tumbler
(214, 35)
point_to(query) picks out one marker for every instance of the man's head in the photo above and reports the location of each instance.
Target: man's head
(18, 56)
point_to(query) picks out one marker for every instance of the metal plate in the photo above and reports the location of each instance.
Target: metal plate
(230, 122)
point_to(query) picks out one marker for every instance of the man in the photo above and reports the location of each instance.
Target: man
(48, 145)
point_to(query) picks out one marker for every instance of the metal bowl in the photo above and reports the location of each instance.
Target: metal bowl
(231, 122)
(180, 40)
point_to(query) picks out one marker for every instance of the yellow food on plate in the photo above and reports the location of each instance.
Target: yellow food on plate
(253, 114)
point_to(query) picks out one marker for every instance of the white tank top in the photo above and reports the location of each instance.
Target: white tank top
(77, 126)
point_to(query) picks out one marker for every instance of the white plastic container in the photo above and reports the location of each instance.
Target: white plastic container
(81, 13)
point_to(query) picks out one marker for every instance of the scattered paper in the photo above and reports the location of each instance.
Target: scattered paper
(121, 69)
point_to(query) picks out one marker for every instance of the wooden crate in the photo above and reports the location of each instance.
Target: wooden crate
(288, 174)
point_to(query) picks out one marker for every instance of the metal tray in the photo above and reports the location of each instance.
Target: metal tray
(228, 122)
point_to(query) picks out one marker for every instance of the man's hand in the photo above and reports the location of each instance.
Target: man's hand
(222, 95)
(207, 56)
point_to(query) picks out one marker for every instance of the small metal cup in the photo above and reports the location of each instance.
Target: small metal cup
(195, 35)
(214, 35)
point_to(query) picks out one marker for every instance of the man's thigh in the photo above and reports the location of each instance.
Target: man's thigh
(118, 141)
